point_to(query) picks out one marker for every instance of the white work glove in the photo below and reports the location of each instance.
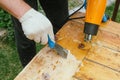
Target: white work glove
(36, 26)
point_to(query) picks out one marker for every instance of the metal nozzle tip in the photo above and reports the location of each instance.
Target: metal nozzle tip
(88, 37)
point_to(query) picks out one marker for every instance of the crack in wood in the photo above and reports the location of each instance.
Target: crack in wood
(102, 65)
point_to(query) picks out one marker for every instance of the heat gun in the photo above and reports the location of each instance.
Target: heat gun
(94, 13)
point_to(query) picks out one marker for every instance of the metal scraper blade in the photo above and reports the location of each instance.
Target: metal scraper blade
(61, 51)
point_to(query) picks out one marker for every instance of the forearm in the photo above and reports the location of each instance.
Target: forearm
(17, 8)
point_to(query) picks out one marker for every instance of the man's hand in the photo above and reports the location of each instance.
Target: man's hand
(36, 26)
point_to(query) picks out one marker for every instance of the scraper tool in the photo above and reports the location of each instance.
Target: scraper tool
(59, 49)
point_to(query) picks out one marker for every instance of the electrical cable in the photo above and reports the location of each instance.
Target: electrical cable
(68, 18)
(77, 10)
(77, 18)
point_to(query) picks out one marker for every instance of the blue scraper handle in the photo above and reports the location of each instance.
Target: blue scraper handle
(50, 42)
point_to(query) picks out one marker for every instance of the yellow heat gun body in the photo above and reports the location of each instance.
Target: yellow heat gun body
(94, 14)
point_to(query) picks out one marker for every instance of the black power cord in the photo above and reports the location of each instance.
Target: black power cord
(68, 18)
(77, 18)
(76, 10)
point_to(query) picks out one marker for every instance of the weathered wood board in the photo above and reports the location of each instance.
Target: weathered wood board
(48, 65)
(93, 71)
(100, 59)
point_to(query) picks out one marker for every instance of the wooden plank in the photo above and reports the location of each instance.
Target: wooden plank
(101, 57)
(109, 35)
(105, 56)
(93, 71)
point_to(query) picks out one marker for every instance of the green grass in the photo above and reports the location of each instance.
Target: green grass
(10, 65)
(109, 12)
(9, 62)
